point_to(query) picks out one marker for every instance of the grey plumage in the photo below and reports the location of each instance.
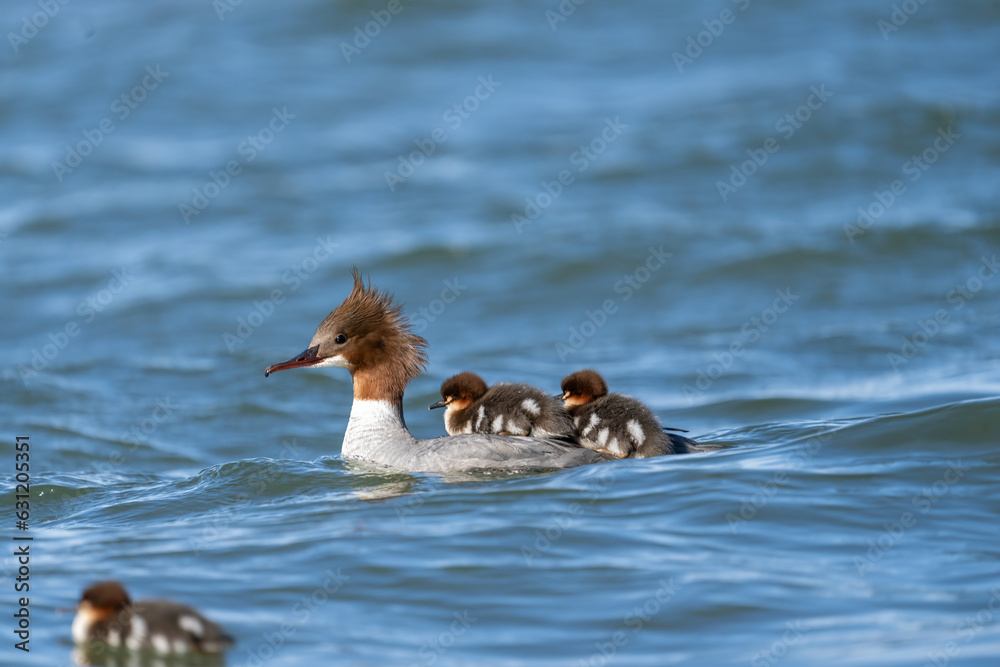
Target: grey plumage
(376, 433)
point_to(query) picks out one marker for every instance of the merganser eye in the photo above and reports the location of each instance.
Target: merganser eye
(340, 339)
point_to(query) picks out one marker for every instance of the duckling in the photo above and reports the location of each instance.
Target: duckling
(617, 424)
(106, 614)
(503, 409)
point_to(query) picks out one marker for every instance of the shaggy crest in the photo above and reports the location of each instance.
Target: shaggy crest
(383, 350)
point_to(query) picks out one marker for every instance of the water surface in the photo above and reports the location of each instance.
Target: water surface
(556, 198)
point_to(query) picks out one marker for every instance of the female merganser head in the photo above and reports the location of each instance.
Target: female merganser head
(369, 336)
(617, 424)
(106, 614)
(504, 409)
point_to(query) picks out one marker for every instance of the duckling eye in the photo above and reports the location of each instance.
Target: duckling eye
(340, 339)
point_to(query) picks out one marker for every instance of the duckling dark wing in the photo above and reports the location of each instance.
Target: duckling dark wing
(176, 622)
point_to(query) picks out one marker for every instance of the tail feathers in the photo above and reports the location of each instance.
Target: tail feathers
(682, 445)
(213, 640)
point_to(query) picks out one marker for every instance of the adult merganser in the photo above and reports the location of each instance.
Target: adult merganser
(369, 336)
(505, 408)
(617, 424)
(106, 614)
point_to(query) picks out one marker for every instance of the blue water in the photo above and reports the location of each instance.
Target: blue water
(785, 242)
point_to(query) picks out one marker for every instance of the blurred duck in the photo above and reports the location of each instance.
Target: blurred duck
(616, 424)
(503, 409)
(106, 614)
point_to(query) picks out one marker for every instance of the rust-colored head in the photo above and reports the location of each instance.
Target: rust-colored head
(582, 387)
(102, 600)
(369, 336)
(106, 595)
(460, 391)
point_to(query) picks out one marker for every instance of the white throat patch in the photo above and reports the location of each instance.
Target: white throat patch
(336, 360)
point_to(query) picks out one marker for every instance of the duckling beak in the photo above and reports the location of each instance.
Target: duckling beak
(561, 397)
(440, 404)
(310, 357)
